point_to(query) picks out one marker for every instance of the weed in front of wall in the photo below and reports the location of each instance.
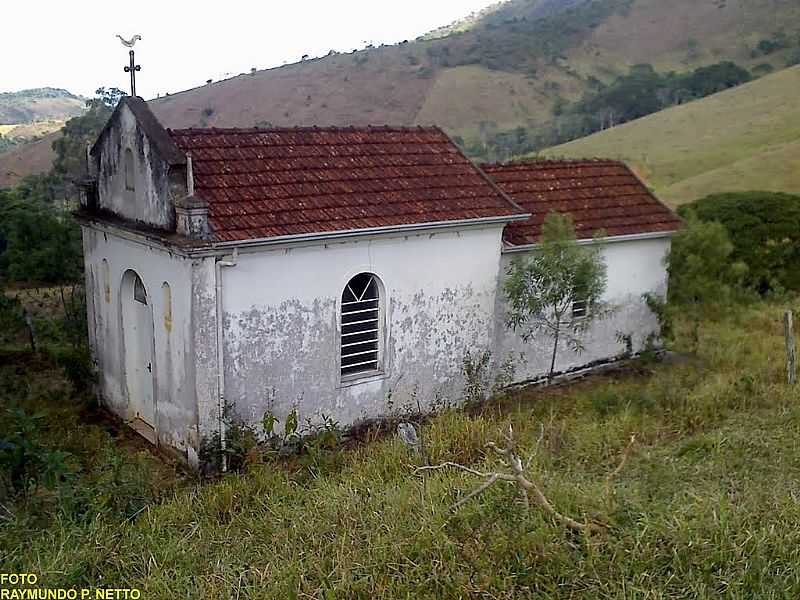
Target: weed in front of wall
(626, 340)
(485, 378)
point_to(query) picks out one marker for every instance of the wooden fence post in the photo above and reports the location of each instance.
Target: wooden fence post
(791, 347)
(31, 329)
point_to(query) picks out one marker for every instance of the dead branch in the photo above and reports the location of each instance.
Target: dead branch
(527, 487)
(5, 513)
(625, 454)
(451, 465)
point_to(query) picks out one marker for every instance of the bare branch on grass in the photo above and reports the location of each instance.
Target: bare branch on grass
(527, 487)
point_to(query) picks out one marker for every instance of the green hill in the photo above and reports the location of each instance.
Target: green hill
(741, 139)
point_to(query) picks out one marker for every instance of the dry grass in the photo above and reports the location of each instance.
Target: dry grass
(31, 130)
(32, 158)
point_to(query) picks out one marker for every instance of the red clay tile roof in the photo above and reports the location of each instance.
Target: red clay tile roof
(275, 182)
(599, 194)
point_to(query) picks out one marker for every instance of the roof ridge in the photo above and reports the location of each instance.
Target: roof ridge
(303, 129)
(551, 162)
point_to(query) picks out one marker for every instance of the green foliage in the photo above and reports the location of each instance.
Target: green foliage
(764, 229)
(11, 318)
(78, 367)
(485, 377)
(705, 81)
(662, 310)
(78, 132)
(770, 45)
(474, 369)
(24, 462)
(38, 242)
(313, 443)
(235, 451)
(763, 69)
(543, 289)
(702, 272)
(701, 266)
(61, 464)
(291, 426)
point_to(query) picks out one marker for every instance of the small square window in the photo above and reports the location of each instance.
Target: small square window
(579, 309)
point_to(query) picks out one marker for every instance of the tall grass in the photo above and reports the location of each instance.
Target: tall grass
(705, 506)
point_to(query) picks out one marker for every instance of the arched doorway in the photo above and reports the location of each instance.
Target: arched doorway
(138, 348)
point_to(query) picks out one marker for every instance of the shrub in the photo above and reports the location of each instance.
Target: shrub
(701, 270)
(764, 228)
(763, 69)
(24, 461)
(78, 367)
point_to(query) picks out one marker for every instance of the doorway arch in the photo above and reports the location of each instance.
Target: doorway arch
(138, 345)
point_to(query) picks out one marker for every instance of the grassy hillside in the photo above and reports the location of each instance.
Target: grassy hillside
(40, 104)
(704, 506)
(31, 158)
(742, 139)
(520, 58)
(12, 136)
(29, 131)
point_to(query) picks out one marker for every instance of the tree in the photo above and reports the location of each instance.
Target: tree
(701, 269)
(558, 290)
(80, 131)
(715, 78)
(37, 243)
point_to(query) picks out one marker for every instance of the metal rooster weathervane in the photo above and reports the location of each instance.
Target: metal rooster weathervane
(132, 67)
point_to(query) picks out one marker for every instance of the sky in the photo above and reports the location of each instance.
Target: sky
(73, 44)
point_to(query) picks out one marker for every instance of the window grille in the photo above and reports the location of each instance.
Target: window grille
(139, 293)
(361, 325)
(579, 309)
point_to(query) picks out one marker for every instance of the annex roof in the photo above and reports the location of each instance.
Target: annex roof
(599, 194)
(262, 183)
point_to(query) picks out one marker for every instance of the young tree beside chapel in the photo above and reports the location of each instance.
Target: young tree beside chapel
(558, 290)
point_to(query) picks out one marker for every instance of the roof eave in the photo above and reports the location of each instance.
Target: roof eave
(612, 239)
(360, 233)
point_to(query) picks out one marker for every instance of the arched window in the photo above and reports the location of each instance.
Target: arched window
(362, 325)
(130, 180)
(139, 293)
(167, 298)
